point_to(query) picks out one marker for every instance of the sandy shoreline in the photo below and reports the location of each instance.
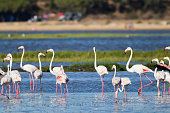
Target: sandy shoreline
(87, 25)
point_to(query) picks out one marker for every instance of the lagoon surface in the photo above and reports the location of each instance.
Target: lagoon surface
(142, 43)
(85, 95)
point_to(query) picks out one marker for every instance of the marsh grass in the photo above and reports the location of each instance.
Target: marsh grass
(88, 56)
(77, 35)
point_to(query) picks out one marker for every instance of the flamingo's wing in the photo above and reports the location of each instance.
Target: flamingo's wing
(102, 70)
(115, 80)
(125, 81)
(139, 68)
(57, 71)
(38, 74)
(15, 75)
(29, 68)
(162, 66)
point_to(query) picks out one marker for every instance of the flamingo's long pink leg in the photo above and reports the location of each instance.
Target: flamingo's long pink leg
(56, 86)
(40, 83)
(114, 88)
(164, 87)
(13, 88)
(64, 91)
(67, 89)
(19, 88)
(141, 85)
(33, 81)
(168, 91)
(125, 92)
(61, 89)
(2, 89)
(36, 84)
(9, 89)
(146, 84)
(30, 81)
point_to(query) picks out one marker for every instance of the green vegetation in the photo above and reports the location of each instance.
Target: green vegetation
(132, 8)
(88, 56)
(79, 35)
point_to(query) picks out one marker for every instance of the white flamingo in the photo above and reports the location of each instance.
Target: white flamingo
(167, 77)
(101, 70)
(167, 48)
(38, 73)
(27, 67)
(14, 74)
(167, 58)
(63, 79)
(138, 68)
(6, 80)
(159, 76)
(56, 71)
(115, 80)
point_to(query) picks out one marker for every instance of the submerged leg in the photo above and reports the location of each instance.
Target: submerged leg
(61, 89)
(40, 84)
(141, 86)
(67, 89)
(30, 81)
(33, 81)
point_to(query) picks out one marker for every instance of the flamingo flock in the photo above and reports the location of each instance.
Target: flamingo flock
(62, 79)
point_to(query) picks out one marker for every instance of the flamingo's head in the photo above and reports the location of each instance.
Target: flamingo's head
(155, 60)
(166, 58)
(41, 54)
(9, 55)
(167, 48)
(128, 49)
(161, 62)
(7, 58)
(20, 47)
(94, 48)
(49, 50)
(113, 67)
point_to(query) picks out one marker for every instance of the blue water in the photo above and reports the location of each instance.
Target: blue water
(86, 44)
(85, 95)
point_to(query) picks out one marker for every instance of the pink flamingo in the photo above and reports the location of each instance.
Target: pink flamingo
(159, 76)
(124, 81)
(167, 77)
(115, 80)
(6, 80)
(27, 67)
(167, 48)
(56, 71)
(101, 70)
(38, 72)
(138, 68)
(14, 74)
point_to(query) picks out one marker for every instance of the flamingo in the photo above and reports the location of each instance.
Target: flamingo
(159, 76)
(56, 71)
(27, 67)
(14, 74)
(38, 72)
(138, 68)
(63, 79)
(167, 48)
(6, 80)
(125, 81)
(167, 77)
(101, 70)
(115, 80)
(167, 58)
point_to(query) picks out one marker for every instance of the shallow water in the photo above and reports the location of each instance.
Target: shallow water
(85, 95)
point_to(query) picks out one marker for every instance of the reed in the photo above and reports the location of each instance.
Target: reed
(88, 56)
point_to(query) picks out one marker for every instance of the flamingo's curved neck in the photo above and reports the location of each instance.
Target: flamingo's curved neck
(168, 62)
(127, 65)
(95, 65)
(155, 72)
(50, 68)
(22, 58)
(115, 72)
(39, 62)
(10, 66)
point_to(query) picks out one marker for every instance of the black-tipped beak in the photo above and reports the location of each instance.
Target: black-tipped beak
(125, 52)
(3, 61)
